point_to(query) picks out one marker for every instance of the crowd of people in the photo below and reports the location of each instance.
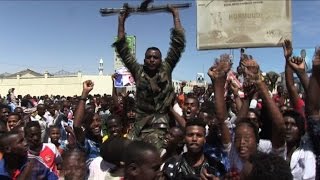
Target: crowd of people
(227, 130)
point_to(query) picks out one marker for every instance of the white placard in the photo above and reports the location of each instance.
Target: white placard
(228, 24)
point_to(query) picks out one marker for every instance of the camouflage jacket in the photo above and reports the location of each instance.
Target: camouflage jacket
(149, 101)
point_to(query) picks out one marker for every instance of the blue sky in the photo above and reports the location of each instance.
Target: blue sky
(71, 35)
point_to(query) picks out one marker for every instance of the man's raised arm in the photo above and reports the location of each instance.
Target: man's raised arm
(178, 40)
(252, 74)
(218, 75)
(292, 91)
(122, 47)
(79, 114)
(121, 22)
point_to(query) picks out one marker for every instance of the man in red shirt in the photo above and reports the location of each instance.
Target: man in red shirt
(47, 151)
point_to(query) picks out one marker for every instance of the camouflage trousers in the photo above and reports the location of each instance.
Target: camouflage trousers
(150, 128)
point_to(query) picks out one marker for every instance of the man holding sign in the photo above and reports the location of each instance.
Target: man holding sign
(153, 81)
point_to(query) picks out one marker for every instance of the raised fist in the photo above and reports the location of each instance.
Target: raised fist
(88, 86)
(221, 67)
(287, 48)
(251, 71)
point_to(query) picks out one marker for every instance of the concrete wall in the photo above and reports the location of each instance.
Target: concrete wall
(67, 85)
(102, 84)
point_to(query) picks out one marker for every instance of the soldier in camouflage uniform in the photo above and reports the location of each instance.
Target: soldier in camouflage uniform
(154, 90)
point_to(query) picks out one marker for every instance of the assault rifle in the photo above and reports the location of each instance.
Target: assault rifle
(143, 8)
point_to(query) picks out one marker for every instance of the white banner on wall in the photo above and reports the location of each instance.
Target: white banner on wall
(242, 23)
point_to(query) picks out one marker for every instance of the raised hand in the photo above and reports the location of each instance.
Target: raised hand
(123, 15)
(172, 9)
(225, 62)
(287, 48)
(87, 86)
(175, 15)
(297, 63)
(221, 67)
(251, 71)
(251, 66)
(243, 58)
